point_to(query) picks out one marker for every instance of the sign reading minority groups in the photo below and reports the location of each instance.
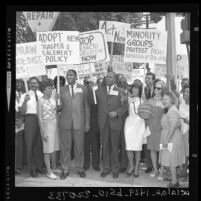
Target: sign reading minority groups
(29, 61)
(115, 31)
(60, 47)
(145, 46)
(93, 47)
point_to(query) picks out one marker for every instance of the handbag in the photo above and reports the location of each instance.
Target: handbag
(145, 111)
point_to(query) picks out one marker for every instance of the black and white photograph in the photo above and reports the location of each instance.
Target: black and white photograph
(102, 99)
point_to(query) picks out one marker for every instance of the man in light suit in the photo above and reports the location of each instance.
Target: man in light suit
(110, 112)
(74, 121)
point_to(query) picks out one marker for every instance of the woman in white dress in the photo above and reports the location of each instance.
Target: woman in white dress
(134, 129)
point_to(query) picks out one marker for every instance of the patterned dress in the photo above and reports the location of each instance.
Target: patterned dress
(154, 124)
(50, 125)
(177, 156)
(184, 112)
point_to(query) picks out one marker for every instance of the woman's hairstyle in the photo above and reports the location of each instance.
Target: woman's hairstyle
(137, 85)
(171, 95)
(163, 86)
(45, 84)
(61, 78)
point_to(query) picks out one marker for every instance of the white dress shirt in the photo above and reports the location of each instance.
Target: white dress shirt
(70, 88)
(32, 103)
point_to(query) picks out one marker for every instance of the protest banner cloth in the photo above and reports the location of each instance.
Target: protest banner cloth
(41, 21)
(115, 31)
(145, 46)
(59, 47)
(93, 46)
(29, 61)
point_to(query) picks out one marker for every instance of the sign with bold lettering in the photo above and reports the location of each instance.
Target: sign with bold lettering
(60, 47)
(41, 21)
(137, 74)
(115, 31)
(29, 60)
(145, 46)
(82, 70)
(93, 46)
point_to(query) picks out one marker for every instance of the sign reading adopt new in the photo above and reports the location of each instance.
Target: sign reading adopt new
(145, 46)
(59, 47)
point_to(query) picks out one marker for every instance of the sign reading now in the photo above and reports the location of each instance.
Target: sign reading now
(115, 31)
(93, 47)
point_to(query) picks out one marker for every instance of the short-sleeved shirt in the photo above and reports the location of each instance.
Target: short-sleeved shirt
(32, 103)
(48, 109)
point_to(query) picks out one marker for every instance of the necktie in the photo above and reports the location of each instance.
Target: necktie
(149, 93)
(36, 96)
(72, 91)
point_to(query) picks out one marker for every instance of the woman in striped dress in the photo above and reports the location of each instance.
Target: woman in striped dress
(48, 125)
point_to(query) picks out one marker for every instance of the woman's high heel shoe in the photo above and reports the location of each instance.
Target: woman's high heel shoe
(129, 173)
(136, 170)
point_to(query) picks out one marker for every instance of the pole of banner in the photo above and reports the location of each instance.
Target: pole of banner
(26, 86)
(144, 75)
(171, 47)
(111, 55)
(58, 83)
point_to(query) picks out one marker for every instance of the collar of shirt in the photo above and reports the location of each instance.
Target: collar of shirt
(108, 90)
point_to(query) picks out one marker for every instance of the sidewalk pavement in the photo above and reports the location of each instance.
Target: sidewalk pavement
(92, 179)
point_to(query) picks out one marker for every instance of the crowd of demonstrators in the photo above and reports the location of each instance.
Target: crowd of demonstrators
(59, 127)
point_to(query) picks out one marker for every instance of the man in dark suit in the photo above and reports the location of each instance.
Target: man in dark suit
(92, 137)
(149, 93)
(74, 121)
(110, 112)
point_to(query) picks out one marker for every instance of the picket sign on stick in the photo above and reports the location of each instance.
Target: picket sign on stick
(111, 55)
(26, 86)
(144, 79)
(94, 94)
(58, 83)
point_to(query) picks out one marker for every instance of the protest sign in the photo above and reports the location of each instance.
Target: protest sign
(121, 67)
(145, 46)
(160, 70)
(182, 66)
(82, 70)
(29, 61)
(93, 46)
(41, 21)
(115, 31)
(137, 74)
(59, 47)
(100, 69)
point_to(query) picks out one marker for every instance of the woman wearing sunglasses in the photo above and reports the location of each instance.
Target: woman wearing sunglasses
(153, 140)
